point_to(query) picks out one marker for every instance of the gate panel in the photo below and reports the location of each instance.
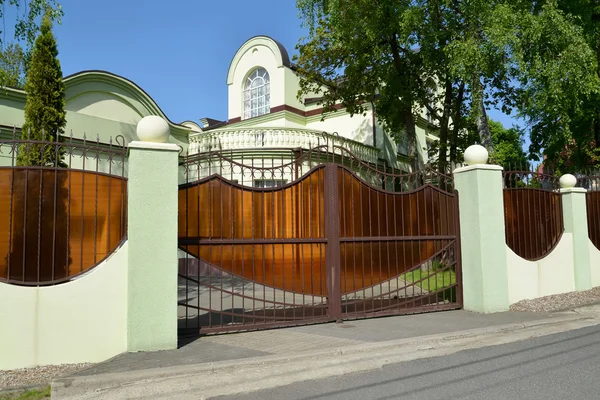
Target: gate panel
(254, 257)
(318, 236)
(399, 250)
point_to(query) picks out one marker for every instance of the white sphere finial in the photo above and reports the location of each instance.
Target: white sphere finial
(153, 128)
(567, 181)
(476, 154)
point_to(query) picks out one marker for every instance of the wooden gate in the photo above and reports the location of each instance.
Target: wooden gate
(293, 237)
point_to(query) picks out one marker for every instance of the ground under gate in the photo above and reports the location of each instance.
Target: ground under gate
(300, 237)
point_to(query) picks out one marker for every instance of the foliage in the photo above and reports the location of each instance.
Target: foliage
(16, 56)
(575, 145)
(454, 58)
(12, 66)
(508, 147)
(507, 144)
(45, 116)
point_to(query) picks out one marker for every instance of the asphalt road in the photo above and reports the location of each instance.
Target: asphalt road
(562, 366)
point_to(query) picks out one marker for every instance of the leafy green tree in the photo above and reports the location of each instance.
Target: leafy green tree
(574, 145)
(16, 55)
(45, 116)
(508, 147)
(12, 66)
(507, 144)
(505, 53)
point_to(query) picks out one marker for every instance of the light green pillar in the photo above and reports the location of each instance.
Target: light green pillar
(483, 248)
(152, 238)
(575, 219)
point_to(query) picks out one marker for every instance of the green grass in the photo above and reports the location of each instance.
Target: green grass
(433, 283)
(28, 395)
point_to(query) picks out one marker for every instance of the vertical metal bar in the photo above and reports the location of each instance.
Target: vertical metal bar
(15, 146)
(68, 241)
(332, 229)
(81, 236)
(39, 205)
(110, 181)
(96, 197)
(56, 153)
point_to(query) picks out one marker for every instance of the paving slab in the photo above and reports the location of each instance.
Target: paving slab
(296, 340)
(242, 375)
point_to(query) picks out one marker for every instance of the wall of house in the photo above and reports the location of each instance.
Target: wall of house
(260, 52)
(84, 320)
(595, 264)
(553, 274)
(98, 105)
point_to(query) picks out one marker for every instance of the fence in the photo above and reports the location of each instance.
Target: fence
(591, 182)
(62, 207)
(532, 212)
(278, 237)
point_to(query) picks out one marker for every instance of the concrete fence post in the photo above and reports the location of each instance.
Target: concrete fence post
(575, 220)
(152, 238)
(482, 234)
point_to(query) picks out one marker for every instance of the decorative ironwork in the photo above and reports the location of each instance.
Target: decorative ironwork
(62, 206)
(532, 212)
(331, 237)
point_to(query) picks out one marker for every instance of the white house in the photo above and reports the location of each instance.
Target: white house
(264, 111)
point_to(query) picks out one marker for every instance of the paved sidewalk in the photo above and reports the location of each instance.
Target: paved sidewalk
(231, 364)
(296, 340)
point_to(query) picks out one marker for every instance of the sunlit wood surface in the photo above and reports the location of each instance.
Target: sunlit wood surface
(422, 223)
(533, 220)
(59, 223)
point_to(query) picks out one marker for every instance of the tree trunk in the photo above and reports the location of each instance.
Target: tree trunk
(443, 153)
(483, 128)
(411, 133)
(456, 116)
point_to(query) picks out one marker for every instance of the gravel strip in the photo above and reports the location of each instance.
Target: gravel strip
(37, 376)
(558, 302)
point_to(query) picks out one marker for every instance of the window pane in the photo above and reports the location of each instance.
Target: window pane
(256, 99)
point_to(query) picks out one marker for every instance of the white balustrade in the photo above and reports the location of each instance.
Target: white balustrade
(253, 138)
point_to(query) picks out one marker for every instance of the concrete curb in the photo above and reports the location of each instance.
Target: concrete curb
(363, 356)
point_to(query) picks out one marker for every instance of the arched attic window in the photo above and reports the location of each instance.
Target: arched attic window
(257, 94)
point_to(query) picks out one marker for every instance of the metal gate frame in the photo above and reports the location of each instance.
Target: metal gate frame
(330, 162)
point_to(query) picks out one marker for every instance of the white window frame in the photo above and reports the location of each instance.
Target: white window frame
(269, 183)
(256, 94)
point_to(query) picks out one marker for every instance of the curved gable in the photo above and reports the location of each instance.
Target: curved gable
(278, 52)
(83, 86)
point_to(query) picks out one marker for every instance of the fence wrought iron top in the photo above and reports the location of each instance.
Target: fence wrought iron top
(291, 164)
(517, 176)
(589, 180)
(51, 151)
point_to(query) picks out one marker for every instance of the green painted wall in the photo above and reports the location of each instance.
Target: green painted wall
(484, 268)
(152, 236)
(98, 104)
(575, 220)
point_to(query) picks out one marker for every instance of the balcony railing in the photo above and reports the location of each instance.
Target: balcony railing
(272, 138)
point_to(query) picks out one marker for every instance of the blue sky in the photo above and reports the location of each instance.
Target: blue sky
(178, 52)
